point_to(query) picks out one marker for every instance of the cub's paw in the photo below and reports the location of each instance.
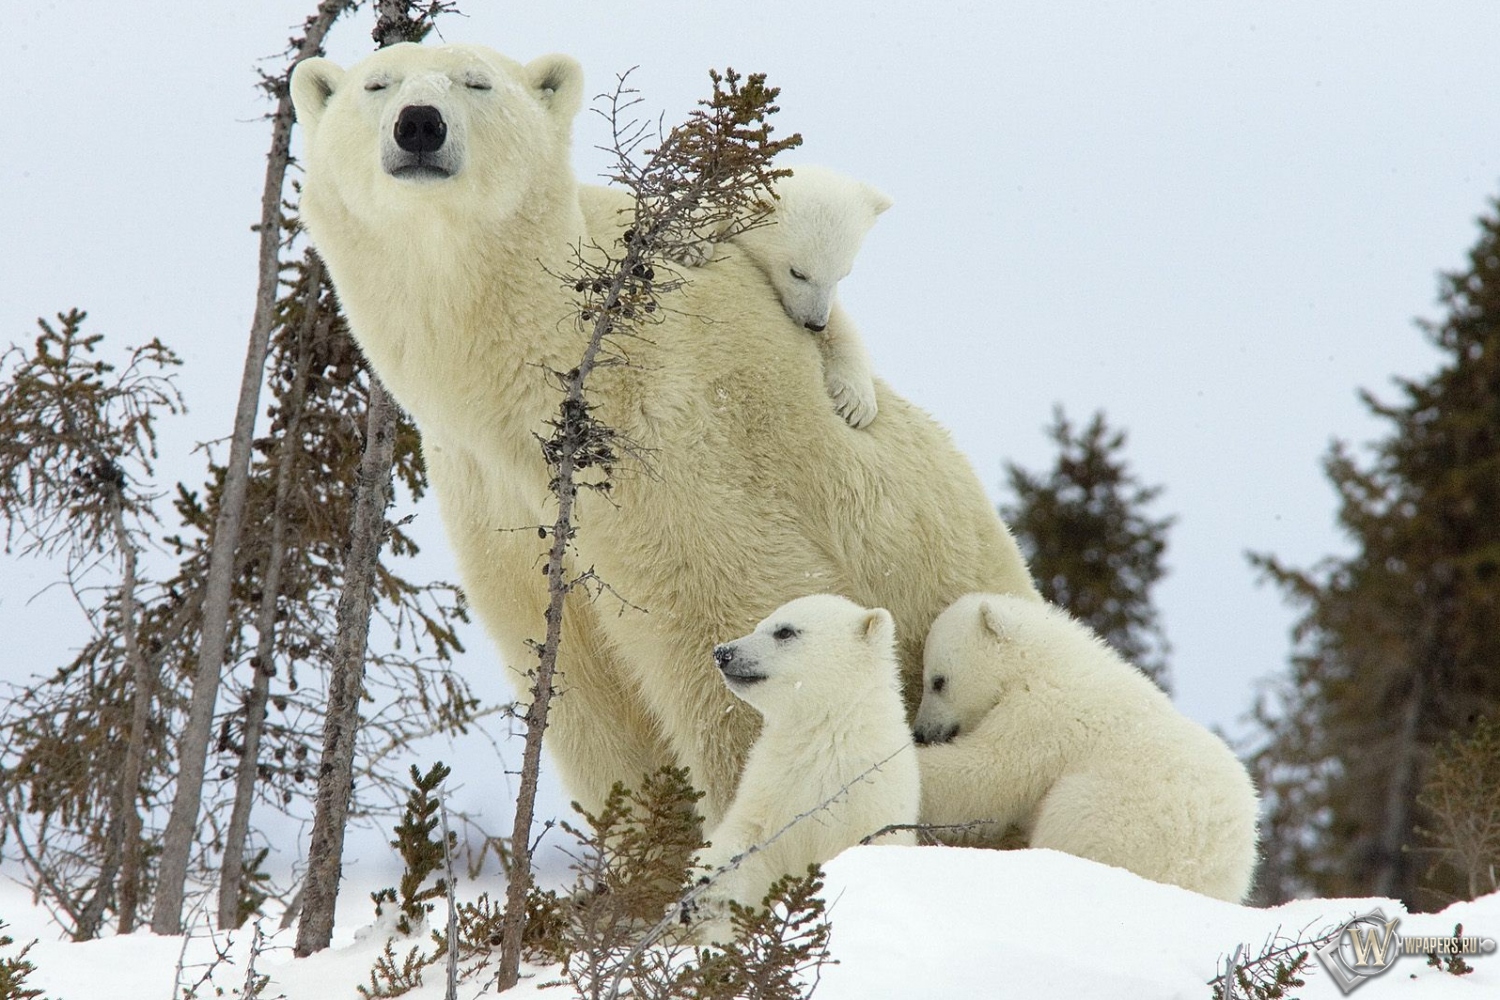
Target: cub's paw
(706, 913)
(853, 398)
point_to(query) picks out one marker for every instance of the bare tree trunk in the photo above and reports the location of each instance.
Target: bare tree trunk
(231, 874)
(144, 679)
(514, 924)
(320, 889)
(346, 685)
(192, 753)
(1391, 866)
(574, 436)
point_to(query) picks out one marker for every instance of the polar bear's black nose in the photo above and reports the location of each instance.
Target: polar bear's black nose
(723, 656)
(420, 129)
(815, 327)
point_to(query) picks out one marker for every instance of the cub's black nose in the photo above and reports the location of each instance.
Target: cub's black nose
(815, 327)
(420, 129)
(723, 656)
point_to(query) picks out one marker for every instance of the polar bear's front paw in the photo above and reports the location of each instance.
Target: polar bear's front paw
(707, 914)
(853, 399)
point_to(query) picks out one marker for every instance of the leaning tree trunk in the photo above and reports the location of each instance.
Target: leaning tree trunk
(192, 750)
(346, 684)
(232, 871)
(336, 772)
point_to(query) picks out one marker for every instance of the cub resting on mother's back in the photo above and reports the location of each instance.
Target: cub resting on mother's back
(440, 193)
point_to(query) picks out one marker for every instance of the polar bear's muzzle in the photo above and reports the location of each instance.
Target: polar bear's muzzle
(928, 734)
(418, 146)
(735, 666)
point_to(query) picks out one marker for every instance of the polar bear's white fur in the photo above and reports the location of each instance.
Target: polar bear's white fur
(834, 762)
(1039, 725)
(806, 247)
(444, 255)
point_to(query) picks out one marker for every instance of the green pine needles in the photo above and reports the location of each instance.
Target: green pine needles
(14, 970)
(423, 852)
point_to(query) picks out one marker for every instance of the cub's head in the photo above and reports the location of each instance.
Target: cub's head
(809, 243)
(969, 659)
(809, 654)
(421, 128)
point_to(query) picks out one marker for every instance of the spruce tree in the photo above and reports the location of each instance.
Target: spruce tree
(1092, 544)
(1398, 643)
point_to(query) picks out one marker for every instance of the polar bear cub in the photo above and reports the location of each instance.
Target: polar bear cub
(1029, 720)
(834, 748)
(805, 247)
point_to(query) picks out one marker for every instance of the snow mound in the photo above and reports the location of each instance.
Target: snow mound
(921, 923)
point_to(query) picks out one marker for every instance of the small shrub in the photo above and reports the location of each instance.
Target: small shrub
(1462, 801)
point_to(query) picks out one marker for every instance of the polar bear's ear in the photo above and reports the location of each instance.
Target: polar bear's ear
(878, 200)
(558, 82)
(313, 83)
(989, 620)
(877, 625)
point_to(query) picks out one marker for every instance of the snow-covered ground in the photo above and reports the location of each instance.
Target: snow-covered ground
(919, 923)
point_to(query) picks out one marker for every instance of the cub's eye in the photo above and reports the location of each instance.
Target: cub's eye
(376, 84)
(784, 634)
(798, 274)
(477, 83)
(938, 683)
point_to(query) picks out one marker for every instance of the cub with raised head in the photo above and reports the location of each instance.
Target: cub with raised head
(834, 762)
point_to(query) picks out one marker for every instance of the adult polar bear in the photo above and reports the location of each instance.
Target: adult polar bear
(439, 193)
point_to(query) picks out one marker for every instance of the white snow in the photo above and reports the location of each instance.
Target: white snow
(928, 923)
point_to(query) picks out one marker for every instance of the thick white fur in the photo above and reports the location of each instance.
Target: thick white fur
(1060, 737)
(806, 247)
(756, 492)
(835, 747)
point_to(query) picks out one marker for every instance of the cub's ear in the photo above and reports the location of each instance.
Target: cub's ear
(877, 625)
(313, 83)
(989, 620)
(558, 82)
(877, 200)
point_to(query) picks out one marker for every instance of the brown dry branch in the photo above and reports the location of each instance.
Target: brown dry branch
(704, 176)
(925, 831)
(1274, 971)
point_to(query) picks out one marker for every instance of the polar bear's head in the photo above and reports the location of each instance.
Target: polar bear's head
(810, 655)
(969, 659)
(420, 129)
(808, 245)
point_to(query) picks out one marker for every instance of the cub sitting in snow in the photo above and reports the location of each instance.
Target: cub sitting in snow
(1029, 720)
(806, 247)
(834, 749)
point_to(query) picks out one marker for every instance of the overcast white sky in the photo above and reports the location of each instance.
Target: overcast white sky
(1215, 221)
